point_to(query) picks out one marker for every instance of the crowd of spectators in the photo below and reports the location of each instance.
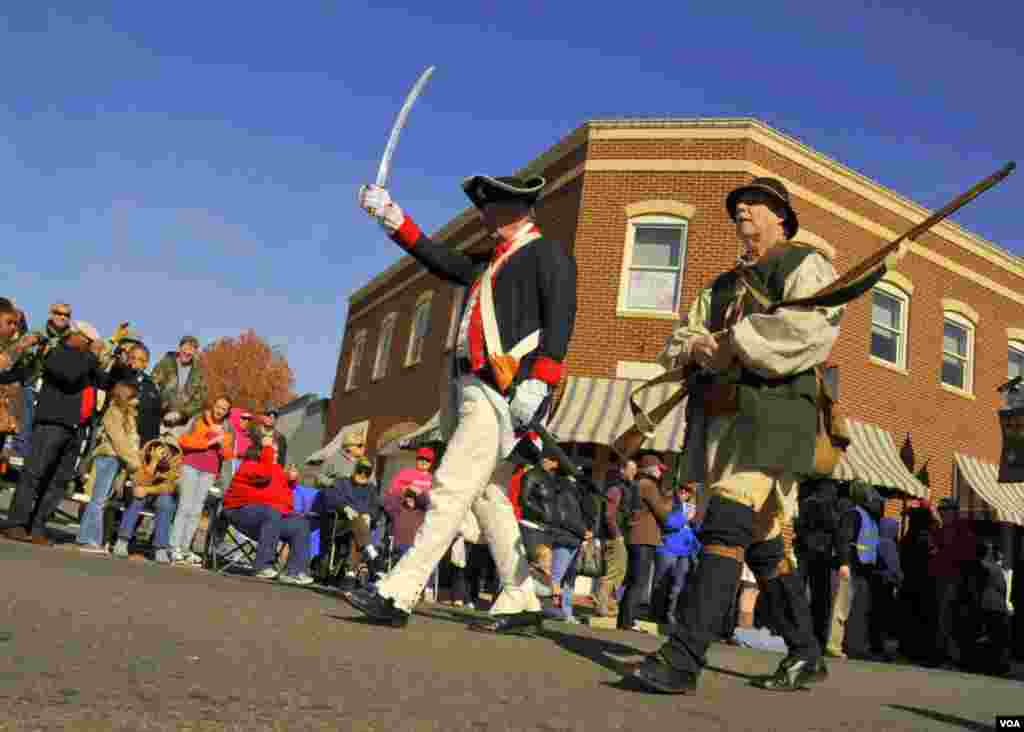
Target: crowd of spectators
(81, 414)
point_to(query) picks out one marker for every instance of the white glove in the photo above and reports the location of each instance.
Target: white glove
(377, 202)
(350, 513)
(172, 418)
(527, 401)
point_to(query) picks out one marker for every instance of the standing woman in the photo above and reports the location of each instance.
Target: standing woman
(650, 511)
(117, 447)
(207, 442)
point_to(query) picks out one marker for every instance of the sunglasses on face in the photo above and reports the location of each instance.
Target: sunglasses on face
(59, 314)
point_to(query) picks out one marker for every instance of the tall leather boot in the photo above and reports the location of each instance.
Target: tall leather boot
(707, 597)
(791, 614)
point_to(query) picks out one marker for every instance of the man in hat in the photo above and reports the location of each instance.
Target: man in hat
(342, 463)
(182, 382)
(752, 422)
(512, 340)
(71, 375)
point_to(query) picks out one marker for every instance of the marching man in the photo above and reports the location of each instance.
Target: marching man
(754, 431)
(512, 340)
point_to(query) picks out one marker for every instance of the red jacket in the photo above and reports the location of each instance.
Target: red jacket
(264, 482)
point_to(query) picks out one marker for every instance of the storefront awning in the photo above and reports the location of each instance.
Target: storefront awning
(596, 409)
(981, 493)
(873, 458)
(335, 445)
(429, 433)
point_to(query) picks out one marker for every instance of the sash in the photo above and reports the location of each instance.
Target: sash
(504, 365)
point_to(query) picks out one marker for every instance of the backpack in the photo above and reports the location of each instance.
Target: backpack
(630, 496)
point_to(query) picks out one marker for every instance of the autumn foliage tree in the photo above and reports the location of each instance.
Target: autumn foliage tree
(248, 371)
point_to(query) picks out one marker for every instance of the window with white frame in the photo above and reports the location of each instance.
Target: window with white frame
(458, 298)
(420, 329)
(1015, 366)
(387, 333)
(354, 359)
(957, 351)
(889, 307)
(655, 259)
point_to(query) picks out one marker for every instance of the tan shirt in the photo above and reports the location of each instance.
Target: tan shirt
(783, 343)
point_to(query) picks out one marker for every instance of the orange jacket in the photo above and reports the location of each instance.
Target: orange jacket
(198, 438)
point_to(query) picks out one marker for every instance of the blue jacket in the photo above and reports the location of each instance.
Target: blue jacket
(344, 493)
(679, 539)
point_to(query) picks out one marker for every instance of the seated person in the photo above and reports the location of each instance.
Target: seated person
(154, 482)
(259, 503)
(353, 503)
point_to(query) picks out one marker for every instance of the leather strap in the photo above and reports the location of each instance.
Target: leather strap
(721, 550)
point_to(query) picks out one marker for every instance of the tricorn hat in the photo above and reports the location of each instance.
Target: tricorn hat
(483, 189)
(776, 190)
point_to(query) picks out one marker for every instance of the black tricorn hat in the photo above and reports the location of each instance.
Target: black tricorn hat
(483, 189)
(776, 190)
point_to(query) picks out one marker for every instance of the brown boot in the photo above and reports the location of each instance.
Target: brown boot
(41, 540)
(16, 533)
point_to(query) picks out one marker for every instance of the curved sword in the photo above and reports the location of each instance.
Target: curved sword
(396, 129)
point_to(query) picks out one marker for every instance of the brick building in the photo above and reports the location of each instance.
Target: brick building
(640, 205)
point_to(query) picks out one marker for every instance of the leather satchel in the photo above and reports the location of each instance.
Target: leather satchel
(832, 438)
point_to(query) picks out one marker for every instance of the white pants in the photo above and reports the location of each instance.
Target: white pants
(472, 477)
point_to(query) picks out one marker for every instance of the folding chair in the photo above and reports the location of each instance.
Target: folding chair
(228, 547)
(330, 569)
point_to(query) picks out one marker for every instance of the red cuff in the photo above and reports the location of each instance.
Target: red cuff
(547, 370)
(407, 234)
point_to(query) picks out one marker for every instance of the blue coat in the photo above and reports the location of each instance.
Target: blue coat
(679, 539)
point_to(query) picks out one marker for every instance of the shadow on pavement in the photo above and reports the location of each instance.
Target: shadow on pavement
(942, 717)
(602, 652)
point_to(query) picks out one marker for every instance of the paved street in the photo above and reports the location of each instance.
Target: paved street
(91, 643)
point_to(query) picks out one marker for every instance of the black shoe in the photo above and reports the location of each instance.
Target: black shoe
(379, 609)
(524, 623)
(793, 674)
(656, 674)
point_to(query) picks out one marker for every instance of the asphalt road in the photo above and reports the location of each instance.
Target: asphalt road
(93, 643)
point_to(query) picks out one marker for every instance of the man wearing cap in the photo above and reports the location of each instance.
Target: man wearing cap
(752, 425)
(71, 374)
(512, 340)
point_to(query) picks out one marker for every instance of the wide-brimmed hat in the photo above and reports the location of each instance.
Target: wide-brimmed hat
(352, 439)
(483, 189)
(776, 190)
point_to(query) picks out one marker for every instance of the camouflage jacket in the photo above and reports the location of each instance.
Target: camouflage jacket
(165, 376)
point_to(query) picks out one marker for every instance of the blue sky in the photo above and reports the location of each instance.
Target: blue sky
(192, 167)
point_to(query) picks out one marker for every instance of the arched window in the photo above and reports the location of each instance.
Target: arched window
(1015, 365)
(387, 332)
(957, 351)
(890, 306)
(654, 258)
(458, 298)
(355, 358)
(420, 329)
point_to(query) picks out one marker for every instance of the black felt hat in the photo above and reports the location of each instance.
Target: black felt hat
(483, 189)
(776, 190)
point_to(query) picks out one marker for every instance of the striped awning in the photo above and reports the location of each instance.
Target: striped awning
(983, 496)
(428, 434)
(596, 409)
(873, 458)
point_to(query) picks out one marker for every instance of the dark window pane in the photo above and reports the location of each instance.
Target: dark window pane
(884, 345)
(953, 372)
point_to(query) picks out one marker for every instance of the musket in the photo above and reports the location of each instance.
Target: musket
(856, 282)
(396, 129)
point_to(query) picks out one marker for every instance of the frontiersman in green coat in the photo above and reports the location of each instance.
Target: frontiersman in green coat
(751, 428)
(182, 384)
